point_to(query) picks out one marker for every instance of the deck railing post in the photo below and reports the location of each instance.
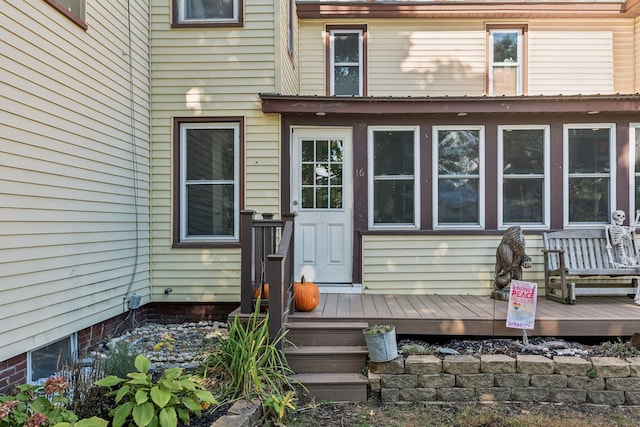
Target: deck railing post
(276, 295)
(246, 261)
(288, 260)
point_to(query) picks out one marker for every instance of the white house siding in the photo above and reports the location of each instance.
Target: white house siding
(437, 264)
(448, 57)
(227, 68)
(74, 171)
(570, 62)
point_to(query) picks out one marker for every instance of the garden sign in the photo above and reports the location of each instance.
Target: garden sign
(522, 305)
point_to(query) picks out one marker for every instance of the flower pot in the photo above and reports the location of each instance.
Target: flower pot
(381, 344)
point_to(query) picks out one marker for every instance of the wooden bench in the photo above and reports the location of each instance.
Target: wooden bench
(582, 253)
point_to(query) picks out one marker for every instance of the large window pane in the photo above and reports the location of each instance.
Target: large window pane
(523, 200)
(394, 177)
(458, 201)
(458, 152)
(209, 181)
(50, 359)
(198, 11)
(394, 202)
(346, 62)
(523, 175)
(589, 173)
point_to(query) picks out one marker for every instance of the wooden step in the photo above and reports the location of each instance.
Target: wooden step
(326, 359)
(343, 387)
(326, 333)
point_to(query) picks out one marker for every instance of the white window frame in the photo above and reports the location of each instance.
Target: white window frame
(183, 182)
(517, 64)
(73, 347)
(546, 177)
(181, 5)
(481, 180)
(565, 164)
(415, 177)
(634, 205)
(333, 64)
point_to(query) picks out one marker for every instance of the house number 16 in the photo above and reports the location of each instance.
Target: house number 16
(359, 172)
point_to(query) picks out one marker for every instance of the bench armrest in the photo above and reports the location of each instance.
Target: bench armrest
(560, 252)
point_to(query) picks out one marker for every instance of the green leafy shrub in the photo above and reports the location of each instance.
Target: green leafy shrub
(45, 405)
(141, 401)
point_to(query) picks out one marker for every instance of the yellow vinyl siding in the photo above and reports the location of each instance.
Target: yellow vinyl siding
(75, 206)
(227, 70)
(448, 57)
(433, 264)
(570, 62)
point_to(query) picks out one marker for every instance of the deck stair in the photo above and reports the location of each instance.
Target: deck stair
(328, 358)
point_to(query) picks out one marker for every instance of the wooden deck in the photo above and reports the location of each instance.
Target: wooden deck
(463, 315)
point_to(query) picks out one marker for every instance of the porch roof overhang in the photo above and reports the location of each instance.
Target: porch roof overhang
(324, 105)
(487, 9)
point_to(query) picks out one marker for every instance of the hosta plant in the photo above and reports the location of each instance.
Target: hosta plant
(43, 406)
(141, 401)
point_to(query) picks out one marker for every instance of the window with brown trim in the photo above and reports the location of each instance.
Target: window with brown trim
(206, 13)
(506, 60)
(72, 9)
(346, 59)
(208, 190)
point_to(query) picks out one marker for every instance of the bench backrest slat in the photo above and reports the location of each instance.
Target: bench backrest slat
(583, 249)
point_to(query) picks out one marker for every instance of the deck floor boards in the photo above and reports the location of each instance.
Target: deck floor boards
(467, 315)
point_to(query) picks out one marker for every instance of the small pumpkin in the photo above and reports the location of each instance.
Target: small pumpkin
(262, 292)
(306, 295)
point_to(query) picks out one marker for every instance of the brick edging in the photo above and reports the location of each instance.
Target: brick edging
(466, 378)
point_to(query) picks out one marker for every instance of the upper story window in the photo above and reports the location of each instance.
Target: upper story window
(505, 66)
(523, 187)
(207, 12)
(72, 9)
(208, 187)
(346, 61)
(458, 180)
(394, 177)
(589, 157)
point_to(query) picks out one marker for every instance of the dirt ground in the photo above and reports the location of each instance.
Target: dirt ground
(464, 415)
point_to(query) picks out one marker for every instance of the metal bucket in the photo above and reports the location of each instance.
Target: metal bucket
(383, 346)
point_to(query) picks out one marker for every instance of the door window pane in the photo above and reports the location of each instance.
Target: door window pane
(321, 173)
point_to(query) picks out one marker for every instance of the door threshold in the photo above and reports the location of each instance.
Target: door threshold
(340, 288)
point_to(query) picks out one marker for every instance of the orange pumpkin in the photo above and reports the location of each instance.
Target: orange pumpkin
(259, 292)
(306, 295)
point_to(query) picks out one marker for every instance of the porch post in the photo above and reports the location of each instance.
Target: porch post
(246, 261)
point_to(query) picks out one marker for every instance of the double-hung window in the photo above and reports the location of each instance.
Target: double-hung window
(209, 181)
(346, 61)
(458, 154)
(394, 177)
(589, 157)
(523, 189)
(505, 61)
(207, 12)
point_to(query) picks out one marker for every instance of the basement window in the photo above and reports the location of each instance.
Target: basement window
(51, 359)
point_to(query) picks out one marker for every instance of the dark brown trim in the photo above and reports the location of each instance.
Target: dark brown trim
(328, 105)
(465, 10)
(328, 52)
(175, 222)
(79, 21)
(175, 23)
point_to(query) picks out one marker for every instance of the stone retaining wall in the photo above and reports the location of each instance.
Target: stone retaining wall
(527, 378)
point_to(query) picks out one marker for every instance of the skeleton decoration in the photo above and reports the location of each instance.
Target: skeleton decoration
(510, 257)
(622, 248)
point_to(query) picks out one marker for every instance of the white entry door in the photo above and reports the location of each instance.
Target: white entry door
(321, 195)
